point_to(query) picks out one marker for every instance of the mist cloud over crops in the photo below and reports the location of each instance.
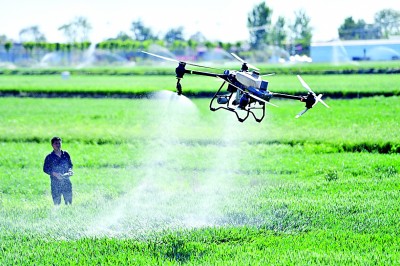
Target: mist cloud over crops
(173, 187)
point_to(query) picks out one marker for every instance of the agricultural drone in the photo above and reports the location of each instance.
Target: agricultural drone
(246, 92)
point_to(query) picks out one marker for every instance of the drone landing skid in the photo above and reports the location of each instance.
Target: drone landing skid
(224, 102)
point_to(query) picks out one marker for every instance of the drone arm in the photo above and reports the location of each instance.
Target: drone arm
(201, 73)
(310, 100)
(181, 71)
(287, 96)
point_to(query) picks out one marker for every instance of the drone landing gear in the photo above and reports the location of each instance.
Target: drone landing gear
(263, 112)
(225, 102)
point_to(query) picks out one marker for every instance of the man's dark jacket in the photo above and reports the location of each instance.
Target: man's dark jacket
(53, 163)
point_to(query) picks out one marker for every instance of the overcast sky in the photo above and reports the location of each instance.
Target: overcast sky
(223, 20)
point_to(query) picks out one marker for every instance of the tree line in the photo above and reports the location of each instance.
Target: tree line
(386, 23)
(293, 36)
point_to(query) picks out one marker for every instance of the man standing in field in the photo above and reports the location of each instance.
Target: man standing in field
(58, 165)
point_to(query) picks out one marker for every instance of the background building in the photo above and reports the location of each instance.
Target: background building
(356, 50)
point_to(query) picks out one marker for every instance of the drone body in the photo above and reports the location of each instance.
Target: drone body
(251, 79)
(247, 93)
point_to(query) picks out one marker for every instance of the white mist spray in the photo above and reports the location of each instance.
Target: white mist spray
(159, 200)
(170, 194)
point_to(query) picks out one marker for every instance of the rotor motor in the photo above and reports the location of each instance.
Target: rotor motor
(310, 100)
(180, 70)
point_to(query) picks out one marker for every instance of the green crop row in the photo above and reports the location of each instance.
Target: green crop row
(387, 67)
(349, 125)
(105, 86)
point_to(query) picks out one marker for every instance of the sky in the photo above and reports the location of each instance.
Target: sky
(218, 20)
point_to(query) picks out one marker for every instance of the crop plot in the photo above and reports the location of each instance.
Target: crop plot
(163, 180)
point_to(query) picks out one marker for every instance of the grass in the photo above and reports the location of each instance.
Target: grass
(271, 211)
(349, 125)
(169, 182)
(339, 85)
(161, 67)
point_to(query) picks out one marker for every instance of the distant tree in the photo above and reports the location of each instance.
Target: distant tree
(31, 34)
(301, 33)
(3, 38)
(258, 23)
(50, 47)
(174, 35)
(7, 47)
(238, 46)
(123, 36)
(347, 29)
(141, 32)
(279, 34)
(198, 37)
(83, 28)
(69, 32)
(388, 20)
(83, 46)
(178, 46)
(77, 30)
(192, 44)
(360, 30)
(28, 46)
(210, 45)
(227, 46)
(370, 31)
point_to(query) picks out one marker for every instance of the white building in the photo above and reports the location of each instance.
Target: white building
(355, 50)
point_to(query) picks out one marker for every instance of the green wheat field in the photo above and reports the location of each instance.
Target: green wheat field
(161, 180)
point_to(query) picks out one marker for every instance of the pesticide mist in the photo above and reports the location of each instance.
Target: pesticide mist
(179, 187)
(180, 182)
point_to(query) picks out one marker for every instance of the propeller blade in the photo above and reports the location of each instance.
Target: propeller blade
(305, 85)
(162, 57)
(317, 98)
(238, 58)
(244, 62)
(274, 105)
(270, 74)
(301, 113)
(174, 60)
(321, 101)
(262, 100)
(192, 64)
